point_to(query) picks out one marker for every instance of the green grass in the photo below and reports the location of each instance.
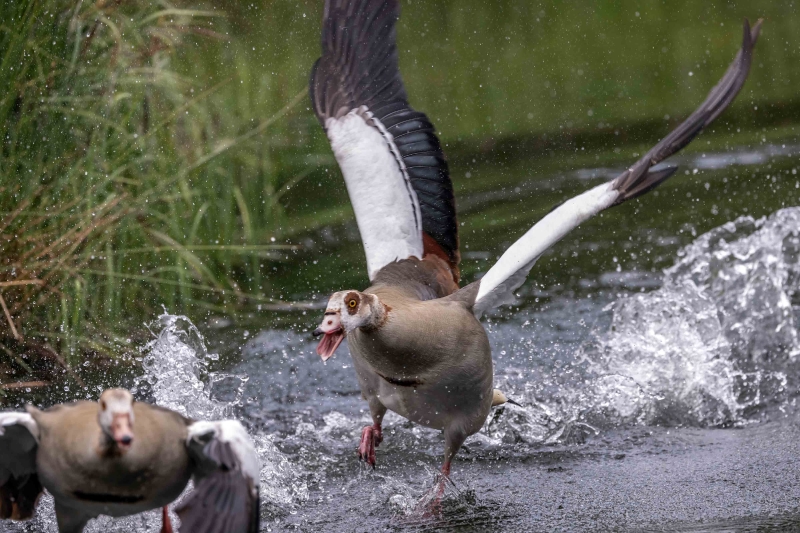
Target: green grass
(116, 186)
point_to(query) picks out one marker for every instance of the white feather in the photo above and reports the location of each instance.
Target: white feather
(386, 206)
(498, 285)
(232, 432)
(24, 419)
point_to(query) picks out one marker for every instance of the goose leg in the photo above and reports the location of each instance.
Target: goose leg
(430, 504)
(453, 439)
(371, 436)
(166, 526)
(69, 520)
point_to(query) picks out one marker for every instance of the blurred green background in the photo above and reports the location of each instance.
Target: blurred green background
(165, 154)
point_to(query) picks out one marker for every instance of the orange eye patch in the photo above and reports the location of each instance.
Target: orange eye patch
(351, 301)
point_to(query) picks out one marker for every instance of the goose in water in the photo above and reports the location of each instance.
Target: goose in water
(417, 345)
(119, 457)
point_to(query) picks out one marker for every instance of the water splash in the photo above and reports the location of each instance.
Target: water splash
(718, 338)
(712, 346)
(176, 365)
(750, 269)
(666, 360)
(177, 374)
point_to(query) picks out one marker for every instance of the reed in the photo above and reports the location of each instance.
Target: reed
(120, 187)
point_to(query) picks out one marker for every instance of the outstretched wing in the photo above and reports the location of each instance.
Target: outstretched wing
(226, 476)
(392, 162)
(510, 271)
(19, 483)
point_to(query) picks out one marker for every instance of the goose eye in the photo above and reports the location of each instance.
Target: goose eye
(103, 405)
(352, 304)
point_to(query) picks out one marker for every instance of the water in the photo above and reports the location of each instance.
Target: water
(655, 352)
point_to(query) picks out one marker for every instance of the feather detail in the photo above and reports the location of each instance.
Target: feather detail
(358, 74)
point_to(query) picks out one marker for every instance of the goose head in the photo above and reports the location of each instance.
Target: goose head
(347, 311)
(116, 417)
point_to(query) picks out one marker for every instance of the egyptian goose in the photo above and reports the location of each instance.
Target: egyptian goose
(118, 457)
(414, 336)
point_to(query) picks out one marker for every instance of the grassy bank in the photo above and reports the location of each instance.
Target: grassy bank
(115, 192)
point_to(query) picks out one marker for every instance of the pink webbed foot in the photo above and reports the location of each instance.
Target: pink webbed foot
(166, 526)
(371, 437)
(444, 477)
(430, 505)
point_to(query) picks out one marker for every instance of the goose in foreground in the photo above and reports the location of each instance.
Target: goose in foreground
(118, 457)
(414, 336)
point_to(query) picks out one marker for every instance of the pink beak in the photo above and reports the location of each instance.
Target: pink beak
(121, 431)
(333, 334)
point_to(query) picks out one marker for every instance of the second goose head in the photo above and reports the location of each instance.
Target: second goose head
(116, 417)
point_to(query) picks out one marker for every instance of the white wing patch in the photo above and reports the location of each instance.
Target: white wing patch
(498, 285)
(232, 432)
(23, 419)
(386, 206)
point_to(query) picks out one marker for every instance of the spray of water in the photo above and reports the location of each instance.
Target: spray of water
(716, 342)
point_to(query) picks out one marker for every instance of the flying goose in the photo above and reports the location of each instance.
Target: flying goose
(118, 457)
(414, 336)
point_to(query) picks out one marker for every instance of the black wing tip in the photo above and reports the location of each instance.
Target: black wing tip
(652, 179)
(640, 178)
(359, 64)
(754, 31)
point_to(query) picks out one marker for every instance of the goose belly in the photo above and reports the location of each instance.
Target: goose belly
(114, 487)
(434, 376)
(438, 406)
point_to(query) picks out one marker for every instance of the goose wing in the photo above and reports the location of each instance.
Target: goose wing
(227, 473)
(19, 483)
(500, 282)
(393, 165)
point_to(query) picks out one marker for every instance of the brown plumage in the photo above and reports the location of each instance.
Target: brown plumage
(88, 475)
(418, 350)
(118, 457)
